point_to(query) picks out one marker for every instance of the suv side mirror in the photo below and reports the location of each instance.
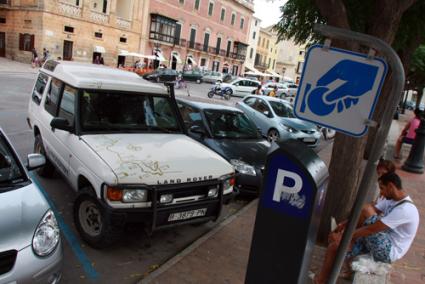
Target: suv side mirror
(197, 129)
(35, 161)
(61, 123)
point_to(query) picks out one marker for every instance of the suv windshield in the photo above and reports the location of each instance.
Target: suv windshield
(228, 124)
(281, 109)
(10, 171)
(113, 111)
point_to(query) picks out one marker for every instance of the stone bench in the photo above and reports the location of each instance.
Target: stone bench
(366, 270)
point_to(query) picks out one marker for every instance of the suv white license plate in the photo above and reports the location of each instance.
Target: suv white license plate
(309, 140)
(187, 214)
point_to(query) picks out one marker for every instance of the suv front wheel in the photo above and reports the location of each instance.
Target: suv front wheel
(48, 169)
(93, 222)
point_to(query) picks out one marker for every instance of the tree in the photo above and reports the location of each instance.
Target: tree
(387, 20)
(416, 73)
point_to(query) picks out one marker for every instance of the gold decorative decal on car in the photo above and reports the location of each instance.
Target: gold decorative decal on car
(126, 164)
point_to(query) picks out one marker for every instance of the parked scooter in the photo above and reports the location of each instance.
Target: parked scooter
(217, 90)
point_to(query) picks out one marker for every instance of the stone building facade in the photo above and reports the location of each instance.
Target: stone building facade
(209, 34)
(76, 30)
(254, 34)
(290, 60)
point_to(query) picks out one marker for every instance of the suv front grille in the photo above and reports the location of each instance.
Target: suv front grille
(7, 260)
(187, 192)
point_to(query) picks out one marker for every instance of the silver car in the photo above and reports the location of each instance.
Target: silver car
(212, 77)
(30, 243)
(276, 120)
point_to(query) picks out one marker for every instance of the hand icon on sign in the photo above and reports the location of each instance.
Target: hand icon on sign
(339, 87)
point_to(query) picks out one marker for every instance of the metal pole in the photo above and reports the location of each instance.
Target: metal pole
(397, 86)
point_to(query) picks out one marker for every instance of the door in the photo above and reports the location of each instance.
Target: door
(67, 50)
(192, 38)
(235, 70)
(173, 63)
(121, 61)
(243, 88)
(2, 44)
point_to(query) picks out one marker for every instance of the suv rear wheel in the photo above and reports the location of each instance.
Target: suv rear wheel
(48, 169)
(93, 222)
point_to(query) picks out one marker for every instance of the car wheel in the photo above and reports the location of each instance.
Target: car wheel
(93, 222)
(198, 81)
(229, 92)
(158, 80)
(210, 94)
(273, 135)
(48, 169)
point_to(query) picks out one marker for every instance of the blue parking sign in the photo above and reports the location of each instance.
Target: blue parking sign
(339, 89)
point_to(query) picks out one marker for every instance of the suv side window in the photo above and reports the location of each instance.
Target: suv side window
(39, 88)
(250, 101)
(190, 115)
(67, 104)
(52, 99)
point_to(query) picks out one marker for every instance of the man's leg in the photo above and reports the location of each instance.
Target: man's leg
(367, 211)
(397, 147)
(330, 255)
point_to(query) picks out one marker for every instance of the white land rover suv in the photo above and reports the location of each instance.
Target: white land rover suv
(120, 143)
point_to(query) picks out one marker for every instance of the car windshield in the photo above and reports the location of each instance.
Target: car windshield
(113, 111)
(10, 171)
(230, 124)
(281, 109)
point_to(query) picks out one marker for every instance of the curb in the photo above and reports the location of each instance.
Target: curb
(175, 259)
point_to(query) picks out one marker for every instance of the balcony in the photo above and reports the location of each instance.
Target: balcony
(260, 65)
(123, 23)
(69, 10)
(4, 2)
(99, 17)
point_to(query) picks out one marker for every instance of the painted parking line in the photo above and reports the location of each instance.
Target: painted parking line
(69, 235)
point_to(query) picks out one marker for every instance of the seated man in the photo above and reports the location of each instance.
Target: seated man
(387, 238)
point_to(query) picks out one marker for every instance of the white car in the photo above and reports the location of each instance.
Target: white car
(282, 90)
(291, 90)
(119, 141)
(241, 86)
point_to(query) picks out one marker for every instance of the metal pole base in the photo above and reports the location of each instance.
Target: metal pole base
(415, 161)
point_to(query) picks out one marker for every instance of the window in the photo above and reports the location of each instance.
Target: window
(256, 22)
(162, 28)
(281, 109)
(229, 44)
(52, 98)
(267, 44)
(26, 42)
(39, 87)
(98, 35)
(206, 42)
(181, 2)
(259, 41)
(123, 39)
(210, 8)
(301, 52)
(226, 124)
(262, 107)
(67, 105)
(268, 65)
(105, 6)
(217, 51)
(192, 38)
(197, 4)
(251, 53)
(300, 67)
(274, 61)
(2, 20)
(223, 14)
(264, 42)
(203, 62)
(253, 35)
(68, 29)
(177, 33)
(242, 23)
(232, 22)
(190, 115)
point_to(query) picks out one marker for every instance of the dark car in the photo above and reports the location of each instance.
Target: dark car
(192, 75)
(230, 133)
(161, 75)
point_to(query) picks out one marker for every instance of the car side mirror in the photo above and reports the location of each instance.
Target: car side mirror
(198, 130)
(266, 113)
(35, 161)
(61, 123)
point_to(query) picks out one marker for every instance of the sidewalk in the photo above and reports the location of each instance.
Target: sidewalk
(222, 255)
(10, 66)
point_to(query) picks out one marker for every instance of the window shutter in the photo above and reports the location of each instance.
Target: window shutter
(21, 42)
(32, 41)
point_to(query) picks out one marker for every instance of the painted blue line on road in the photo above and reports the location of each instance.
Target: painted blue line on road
(69, 235)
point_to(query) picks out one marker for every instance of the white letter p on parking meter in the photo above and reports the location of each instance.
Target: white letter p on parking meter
(280, 188)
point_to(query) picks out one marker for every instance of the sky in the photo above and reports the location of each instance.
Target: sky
(268, 11)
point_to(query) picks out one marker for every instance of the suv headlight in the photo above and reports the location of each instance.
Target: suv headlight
(47, 235)
(289, 128)
(126, 195)
(243, 167)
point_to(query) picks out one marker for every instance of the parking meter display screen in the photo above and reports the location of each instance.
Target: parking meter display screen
(288, 189)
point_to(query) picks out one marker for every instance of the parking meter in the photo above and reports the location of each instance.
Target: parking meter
(288, 215)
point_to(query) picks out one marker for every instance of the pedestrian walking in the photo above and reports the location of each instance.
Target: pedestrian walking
(259, 91)
(408, 134)
(387, 232)
(273, 92)
(35, 62)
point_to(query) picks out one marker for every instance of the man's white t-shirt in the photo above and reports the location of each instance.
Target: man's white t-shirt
(403, 221)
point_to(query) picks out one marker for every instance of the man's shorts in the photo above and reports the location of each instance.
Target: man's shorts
(378, 245)
(408, 140)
